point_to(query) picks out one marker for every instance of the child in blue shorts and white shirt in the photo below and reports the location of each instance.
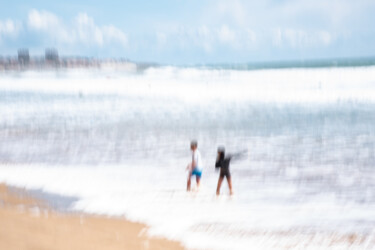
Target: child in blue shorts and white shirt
(195, 167)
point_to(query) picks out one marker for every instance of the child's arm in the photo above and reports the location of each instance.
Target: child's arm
(218, 164)
(238, 156)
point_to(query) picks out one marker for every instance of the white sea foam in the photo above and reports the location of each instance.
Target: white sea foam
(198, 219)
(120, 143)
(197, 85)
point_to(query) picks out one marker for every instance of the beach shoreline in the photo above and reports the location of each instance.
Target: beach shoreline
(30, 223)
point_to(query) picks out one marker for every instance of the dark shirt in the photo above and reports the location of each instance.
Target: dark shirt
(223, 164)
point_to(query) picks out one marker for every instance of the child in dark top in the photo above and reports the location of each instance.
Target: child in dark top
(223, 162)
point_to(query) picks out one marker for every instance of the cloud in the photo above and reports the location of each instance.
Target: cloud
(185, 37)
(209, 39)
(297, 39)
(226, 35)
(292, 23)
(46, 27)
(81, 31)
(42, 20)
(88, 32)
(9, 28)
(215, 29)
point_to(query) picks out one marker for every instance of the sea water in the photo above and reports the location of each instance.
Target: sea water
(119, 144)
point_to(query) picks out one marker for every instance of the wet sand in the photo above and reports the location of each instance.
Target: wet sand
(28, 223)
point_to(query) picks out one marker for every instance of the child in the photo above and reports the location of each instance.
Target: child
(223, 162)
(195, 167)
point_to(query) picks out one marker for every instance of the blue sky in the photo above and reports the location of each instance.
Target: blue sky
(191, 31)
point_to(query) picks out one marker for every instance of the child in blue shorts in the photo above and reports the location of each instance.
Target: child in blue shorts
(195, 167)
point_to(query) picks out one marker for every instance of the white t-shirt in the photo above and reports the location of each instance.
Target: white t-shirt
(198, 159)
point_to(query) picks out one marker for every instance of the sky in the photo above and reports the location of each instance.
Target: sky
(191, 31)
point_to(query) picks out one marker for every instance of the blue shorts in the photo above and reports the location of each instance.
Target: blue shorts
(197, 172)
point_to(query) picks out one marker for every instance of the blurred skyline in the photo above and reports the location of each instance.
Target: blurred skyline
(191, 32)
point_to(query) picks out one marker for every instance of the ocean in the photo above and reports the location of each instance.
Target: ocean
(117, 144)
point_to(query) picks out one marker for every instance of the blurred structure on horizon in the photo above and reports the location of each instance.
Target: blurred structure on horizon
(51, 56)
(23, 57)
(52, 60)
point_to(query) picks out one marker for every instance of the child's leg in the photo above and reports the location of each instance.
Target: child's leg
(219, 185)
(188, 183)
(198, 179)
(229, 179)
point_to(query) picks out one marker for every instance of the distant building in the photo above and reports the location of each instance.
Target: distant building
(51, 55)
(23, 56)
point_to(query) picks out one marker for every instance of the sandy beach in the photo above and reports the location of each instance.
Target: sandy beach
(28, 223)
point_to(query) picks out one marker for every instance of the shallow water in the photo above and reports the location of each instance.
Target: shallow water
(120, 144)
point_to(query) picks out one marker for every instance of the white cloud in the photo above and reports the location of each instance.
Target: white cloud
(113, 34)
(42, 20)
(207, 38)
(82, 30)
(87, 32)
(189, 37)
(203, 38)
(296, 38)
(325, 37)
(9, 28)
(240, 38)
(49, 27)
(226, 35)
